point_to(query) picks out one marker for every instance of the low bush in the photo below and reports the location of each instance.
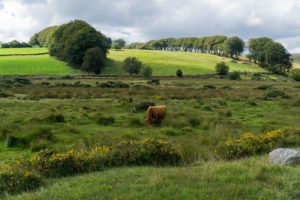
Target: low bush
(16, 180)
(193, 122)
(56, 118)
(264, 87)
(113, 84)
(105, 120)
(222, 68)
(153, 82)
(23, 81)
(143, 106)
(275, 94)
(209, 87)
(250, 144)
(295, 74)
(14, 141)
(235, 76)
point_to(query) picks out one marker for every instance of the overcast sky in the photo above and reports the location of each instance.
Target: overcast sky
(142, 20)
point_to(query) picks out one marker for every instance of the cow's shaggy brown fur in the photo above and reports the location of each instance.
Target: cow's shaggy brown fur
(155, 115)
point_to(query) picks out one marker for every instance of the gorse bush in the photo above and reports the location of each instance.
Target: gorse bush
(14, 180)
(250, 144)
(275, 94)
(143, 106)
(60, 164)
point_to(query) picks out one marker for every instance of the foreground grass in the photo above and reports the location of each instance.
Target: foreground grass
(166, 63)
(251, 178)
(34, 65)
(22, 51)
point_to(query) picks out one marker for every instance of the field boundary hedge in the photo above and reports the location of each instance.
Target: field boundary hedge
(35, 54)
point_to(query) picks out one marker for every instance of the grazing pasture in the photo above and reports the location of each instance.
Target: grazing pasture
(297, 65)
(22, 51)
(166, 62)
(83, 112)
(34, 65)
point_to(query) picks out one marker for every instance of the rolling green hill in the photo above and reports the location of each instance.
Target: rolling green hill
(166, 62)
(22, 51)
(297, 65)
(162, 62)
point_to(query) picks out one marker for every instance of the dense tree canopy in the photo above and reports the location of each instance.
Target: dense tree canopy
(71, 42)
(44, 38)
(234, 46)
(270, 55)
(15, 44)
(209, 44)
(94, 60)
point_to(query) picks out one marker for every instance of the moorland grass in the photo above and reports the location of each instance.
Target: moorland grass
(167, 63)
(22, 51)
(251, 178)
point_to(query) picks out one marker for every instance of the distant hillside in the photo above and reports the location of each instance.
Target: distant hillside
(296, 56)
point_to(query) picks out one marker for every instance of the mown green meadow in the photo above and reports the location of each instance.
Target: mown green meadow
(166, 62)
(22, 51)
(34, 65)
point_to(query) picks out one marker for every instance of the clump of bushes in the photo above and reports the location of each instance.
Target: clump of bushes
(250, 144)
(264, 87)
(143, 106)
(209, 87)
(14, 141)
(275, 94)
(15, 180)
(60, 164)
(23, 81)
(295, 74)
(235, 76)
(153, 82)
(113, 84)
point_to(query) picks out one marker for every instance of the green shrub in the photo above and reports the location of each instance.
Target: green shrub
(264, 87)
(143, 106)
(235, 76)
(105, 120)
(295, 74)
(179, 73)
(39, 145)
(56, 118)
(249, 144)
(222, 68)
(146, 71)
(23, 81)
(14, 181)
(14, 141)
(275, 94)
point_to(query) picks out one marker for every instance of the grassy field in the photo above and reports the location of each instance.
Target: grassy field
(163, 63)
(166, 62)
(216, 105)
(247, 179)
(22, 51)
(297, 65)
(34, 65)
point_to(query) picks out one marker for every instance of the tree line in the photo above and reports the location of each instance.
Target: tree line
(265, 52)
(218, 45)
(15, 44)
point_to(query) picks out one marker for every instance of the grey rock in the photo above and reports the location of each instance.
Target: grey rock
(285, 157)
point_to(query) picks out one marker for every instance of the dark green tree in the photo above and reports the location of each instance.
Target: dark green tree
(118, 44)
(234, 46)
(72, 40)
(132, 65)
(94, 60)
(179, 73)
(146, 71)
(222, 68)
